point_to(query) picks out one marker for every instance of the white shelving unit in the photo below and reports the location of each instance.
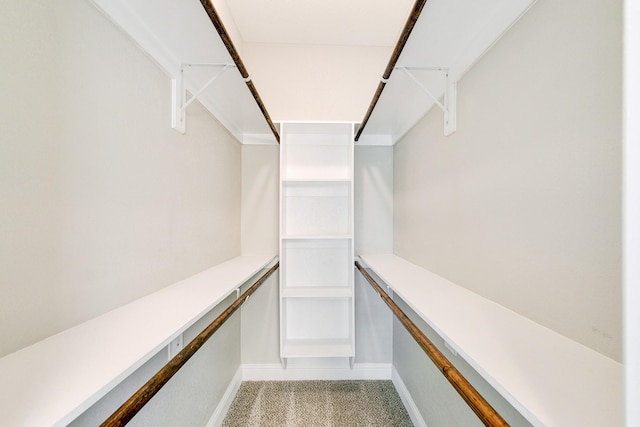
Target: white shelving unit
(316, 241)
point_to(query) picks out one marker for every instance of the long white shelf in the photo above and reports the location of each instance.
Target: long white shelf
(550, 379)
(55, 380)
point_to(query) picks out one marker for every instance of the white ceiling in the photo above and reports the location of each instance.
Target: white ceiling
(324, 22)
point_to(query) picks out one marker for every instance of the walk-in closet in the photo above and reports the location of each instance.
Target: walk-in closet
(319, 213)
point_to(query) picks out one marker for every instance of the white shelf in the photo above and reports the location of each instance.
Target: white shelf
(316, 240)
(55, 380)
(317, 292)
(317, 348)
(449, 37)
(550, 379)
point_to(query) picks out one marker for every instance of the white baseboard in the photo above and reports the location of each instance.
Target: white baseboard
(225, 403)
(407, 400)
(313, 369)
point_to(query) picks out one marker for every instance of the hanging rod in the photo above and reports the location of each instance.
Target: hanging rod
(140, 398)
(226, 39)
(397, 50)
(476, 402)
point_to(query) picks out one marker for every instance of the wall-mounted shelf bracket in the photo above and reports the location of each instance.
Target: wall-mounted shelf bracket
(179, 102)
(449, 107)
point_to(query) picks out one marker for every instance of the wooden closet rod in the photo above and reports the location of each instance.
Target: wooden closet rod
(224, 35)
(476, 402)
(397, 50)
(135, 403)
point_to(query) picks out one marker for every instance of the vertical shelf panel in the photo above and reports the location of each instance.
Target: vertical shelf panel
(316, 240)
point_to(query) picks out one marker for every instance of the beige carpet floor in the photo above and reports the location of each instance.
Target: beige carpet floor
(317, 403)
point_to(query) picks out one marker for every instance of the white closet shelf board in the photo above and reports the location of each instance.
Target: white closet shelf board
(55, 380)
(175, 33)
(550, 379)
(451, 35)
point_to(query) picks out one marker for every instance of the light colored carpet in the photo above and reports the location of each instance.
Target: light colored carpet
(317, 403)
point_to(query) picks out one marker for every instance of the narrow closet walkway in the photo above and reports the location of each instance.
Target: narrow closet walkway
(317, 403)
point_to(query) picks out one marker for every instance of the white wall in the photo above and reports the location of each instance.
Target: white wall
(315, 82)
(373, 206)
(631, 211)
(523, 203)
(260, 233)
(101, 202)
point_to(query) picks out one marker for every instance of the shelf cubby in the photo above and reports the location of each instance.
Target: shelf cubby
(316, 208)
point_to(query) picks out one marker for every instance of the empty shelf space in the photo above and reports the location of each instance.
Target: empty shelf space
(317, 319)
(316, 263)
(316, 208)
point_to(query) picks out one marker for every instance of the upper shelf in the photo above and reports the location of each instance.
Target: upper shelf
(178, 33)
(449, 36)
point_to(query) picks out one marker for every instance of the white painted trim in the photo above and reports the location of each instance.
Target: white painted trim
(308, 369)
(407, 400)
(225, 403)
(631, 212)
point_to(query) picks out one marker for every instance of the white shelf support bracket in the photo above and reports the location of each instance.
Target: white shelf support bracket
(449, 108)
(179, 102)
